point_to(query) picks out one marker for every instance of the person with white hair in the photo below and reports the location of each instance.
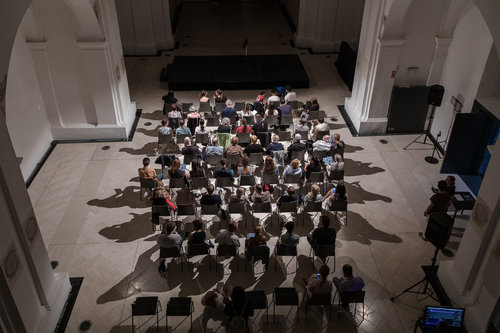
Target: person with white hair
(296, 145)
(322, 145)
(229, 110)
(225, 126)
(214, 149)
(189, 149)
(193, 112)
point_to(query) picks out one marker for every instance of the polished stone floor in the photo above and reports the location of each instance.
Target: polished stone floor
(93, 222)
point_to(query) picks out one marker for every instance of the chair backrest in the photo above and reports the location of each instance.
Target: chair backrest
(224, 139)
(262, 207)
(339, 151)
(256, 158)
(294, 104)
(190, 158)
(320, 154)
(205, 107)
(271, 179)
(336, 175)
(263, 137)
(233, 120)
(288, 207)
(298, 155)
(186, 106)
(272, 120)
(285, 136)
(164, 139)
(257, 298)
(313, 115)
(239, 106)
(170, 252)
(176, 183)
(160, 210)
(282, 250)
(209, 209)
(236, 208)
(180, 137)
(291, 179)
(325, 251)
(179, 306)
(186, 210)
(144, 306)
(320, 299)
(213, 159)
(197, 249)
(286, 120)
(243, 137)
(339, 205)
(233, 159)
(201, 138)
(223, 182)
(321, 134)
(353, 296)
(250, 120)
(199, 182)
(313, 207)
(219, 107)
(316, 177)
(247, 180)
(212, 121)
(174, 122)
(147, 182)
(226, 250)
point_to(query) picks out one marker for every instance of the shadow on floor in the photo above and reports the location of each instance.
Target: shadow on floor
(155, 115)
(128, 197)
(146, 150)
(357, 194)
(360, 230)
(149, 132)
(357, 168)
(352, 149)
(138, 227)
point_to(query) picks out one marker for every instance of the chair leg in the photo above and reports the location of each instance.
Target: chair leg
(133, 327)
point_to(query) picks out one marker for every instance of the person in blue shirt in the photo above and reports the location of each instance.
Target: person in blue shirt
(223, 171)
(275, 145)
(183, 129)
(229, 110)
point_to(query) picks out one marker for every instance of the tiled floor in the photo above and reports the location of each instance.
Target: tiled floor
(87, 203)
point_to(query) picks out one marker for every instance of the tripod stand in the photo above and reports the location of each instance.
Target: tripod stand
(426, 133)
(430, 275)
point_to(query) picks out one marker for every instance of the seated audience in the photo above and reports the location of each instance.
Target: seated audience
(183, 129)
(225, 126)
(176, 171)
(313, 165)
(228, 236)
(318, 283)
(284, 110)
(292, 169)
(245, 169)
(214, 149)
(168, 240)
(256, 246)
(238, 307)
(234, 148)
(219, 97)
(168, 99)
(175, 115)
(249, 111)
(338, 164)
(322, 145)
(260, 196)
(256, 238)
(302, 126)
(146, 172)
(223, 171)
(201, 129)
(229, 110)
(193, 113)
(289, 238)
(210, 198)
(439, 201)
(290, 95)
(314, 195)
(271, 110)
(199, 236)
(337, 143)
(288, 197)
(337, 193)
(253, 147)
(189, 149)
(165, 128)
(275, 145)
(320, 126)
(274, 98)
(260, 124)
(348, 283)
(243, 128)
(214, 302)
(260, 97)
(296, 145)
(239, 196)
(269, 166)
(204, 97)
(323, 235)
(197, 170)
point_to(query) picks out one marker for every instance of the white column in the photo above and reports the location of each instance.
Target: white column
(306, 29)
(144, 33)
(162, 25)
(438, 60)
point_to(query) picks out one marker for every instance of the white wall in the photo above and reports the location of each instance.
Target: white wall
(29, 127)
(421, 25)
(464, 67)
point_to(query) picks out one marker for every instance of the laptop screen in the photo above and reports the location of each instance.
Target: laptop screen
(451, 316)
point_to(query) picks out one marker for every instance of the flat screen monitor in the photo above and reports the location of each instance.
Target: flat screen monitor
(453, 317)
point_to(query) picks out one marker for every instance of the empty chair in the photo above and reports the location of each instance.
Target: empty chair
(164, 139)
(233, 159)
(286, 120)
(324, 251)
(262, 207)
(352, 297)
(209, 210)
(190, 158)
(146, 306)
(295, 104)
(243, 138)
(185, 210)
(285, 135)
(255, 253)
(185, 107)
(339, 206)
(250, 120)
(158, 211)
(213, 159)
(223, 182)
(298, 155)
(285, 251)
(288, 207)
(146, 183)
(198, 250)
(239, 106)
(176, 183)
(199, 182)
(212, 121)
(258, 300)
(247, 180)
(205, 107)
(179, 307)
(272, 120)
(219, 107)
(319, 300)
(312, 207)
(202, 139)
(172, 252)
(291, 179)
(336, 175)
(313, 115)
(237, 208)
(227, 251)
(256, 158)
(285, 297)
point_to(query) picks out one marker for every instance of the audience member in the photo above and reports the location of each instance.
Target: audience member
(165, 128)
(439, 201)
(189, 149)
(146, 172)
(269, 166)
(253, 147)
(176, 171)
(312, 166)
(256, 246)
(338, 164)
(337, 193)
(284, 110)
(245, 169)
(204, 97)
(256, 238)
(199, 236)
(238, 310)
(292, 169)
(214, 149)
(219, 97)
(159, 197)
(274, 98)
(170, 239)
(225, 126)
(210, 198)
(290, 95)
(348, 283)
(239, 196)
(323, 235)
(288, 197)
(201, 129)
(234, 148)
(314, 195)
(183, 129)
(260, 97)
(302, 126)
(321, 126)
(243, 128)
(260, 196)
(311, 105)
(175, 115)
(214, 302)
(318, 283)
(223, 171)
(197, 170)
(296, 145)
(322, 145)
(260, 124)
(271, 110)
(228, 236)
(337, 143)
(193, 113)
(229, 110)
(450, 184)
(249, 110)
(289, 238)
(275, 145)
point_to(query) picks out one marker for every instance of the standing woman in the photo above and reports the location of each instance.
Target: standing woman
(204, 97)
(219, 97)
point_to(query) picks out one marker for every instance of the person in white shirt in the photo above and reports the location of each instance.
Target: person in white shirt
(290, 95)
(274, 98)
(322, 145)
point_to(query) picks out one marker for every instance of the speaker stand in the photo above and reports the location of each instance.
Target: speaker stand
(426, 133)
(430, 275)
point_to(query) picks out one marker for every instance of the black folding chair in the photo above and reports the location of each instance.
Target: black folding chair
(237, 208)
(285, 135)
(285, 297)
(198, 250)
(172, 252)
(199, 182)
(319, 300)
(222, 182)
(317, 178)
(233, 159)
(313, 115)
(285, 251)
(324, 251)
(262, 208)
(298, 155)
(179, 138)
(219, 107)
(158, 211)
(205, 107)
(176, 183)
(212, 121)
(201, 138)
(286, 120)
(258, 300)
(227, 251)
(320, 154)
(213, 159)
(146, 183)
(247, 180)
(288, 207)
(336, 175)
(272, 120)
(352, 297)
(339, 206)
(243, 138)
(146, 306)
(256, 158)
(185, 210)
(312, 207)
(179, 307)
(250, 120)
(190, 158)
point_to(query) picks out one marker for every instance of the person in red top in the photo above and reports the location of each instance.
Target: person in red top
(439, 201)
(244, 128)
(260, 97)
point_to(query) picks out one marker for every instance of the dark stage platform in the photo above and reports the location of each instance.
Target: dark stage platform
(236, 72)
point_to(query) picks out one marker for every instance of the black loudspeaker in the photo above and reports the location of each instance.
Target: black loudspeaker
(435, 96)
(438, 229)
